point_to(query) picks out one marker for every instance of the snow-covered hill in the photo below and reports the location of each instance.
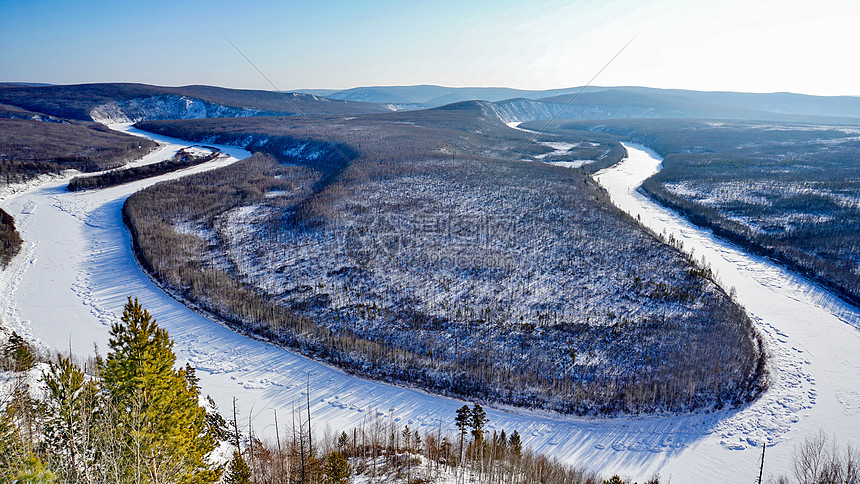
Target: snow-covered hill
(622, 101)
(519, 110)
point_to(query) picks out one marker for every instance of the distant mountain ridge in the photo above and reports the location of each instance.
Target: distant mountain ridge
(616, 102)
(113, 102)
(429, 96)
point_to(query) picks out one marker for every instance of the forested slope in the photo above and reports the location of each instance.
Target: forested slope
(10, 239)
(30, 148)
(787, 191)
(410, 247)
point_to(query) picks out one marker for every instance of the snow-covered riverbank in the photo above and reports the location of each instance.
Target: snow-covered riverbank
(812, 336)
(72, 278)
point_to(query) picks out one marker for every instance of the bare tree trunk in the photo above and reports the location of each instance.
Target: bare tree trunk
(236, 426)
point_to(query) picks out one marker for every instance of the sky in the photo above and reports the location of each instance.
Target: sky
(800, 46)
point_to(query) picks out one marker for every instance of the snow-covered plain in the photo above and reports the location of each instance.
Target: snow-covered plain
(71, 281)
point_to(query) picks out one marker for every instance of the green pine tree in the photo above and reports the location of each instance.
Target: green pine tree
(18, 354)
(516, 444)
(163, 424)
(10, 460)
(239, 472)
(342, 442)
(463, 418)
(33, 472)
(336, 469)
(69, 409)
(477, 422)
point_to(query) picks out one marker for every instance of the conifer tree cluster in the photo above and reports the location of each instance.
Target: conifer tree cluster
(381, 451)
(128, 417)
(16, 354)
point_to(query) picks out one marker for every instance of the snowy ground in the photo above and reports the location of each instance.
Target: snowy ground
(76, 269)
(561, 148)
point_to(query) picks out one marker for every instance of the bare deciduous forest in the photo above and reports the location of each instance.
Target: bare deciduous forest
(412, 249)
(787, 191)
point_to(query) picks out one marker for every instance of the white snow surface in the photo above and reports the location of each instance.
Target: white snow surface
(198, 151)
(70, 282)
(558, 148)
(571, 164)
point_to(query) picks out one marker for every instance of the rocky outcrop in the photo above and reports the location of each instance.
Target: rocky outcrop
(165, 107)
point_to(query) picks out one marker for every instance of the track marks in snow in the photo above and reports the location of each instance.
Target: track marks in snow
(770, 418)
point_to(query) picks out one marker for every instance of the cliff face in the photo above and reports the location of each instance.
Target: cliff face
(165, 107)
(518, 110)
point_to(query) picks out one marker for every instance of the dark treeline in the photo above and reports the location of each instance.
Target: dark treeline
(554, 299)
(14, 112)
(10, 240)
(789, 192)
(182, 159)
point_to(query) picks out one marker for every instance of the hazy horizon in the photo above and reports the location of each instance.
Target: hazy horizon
(793, 46)
(306, 89)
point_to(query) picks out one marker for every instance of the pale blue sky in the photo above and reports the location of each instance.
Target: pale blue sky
(768, 45)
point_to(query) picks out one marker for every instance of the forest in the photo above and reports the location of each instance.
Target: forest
(87, 102)
(418, 248)
(788, 192)
(436, 249)
(10, 239)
